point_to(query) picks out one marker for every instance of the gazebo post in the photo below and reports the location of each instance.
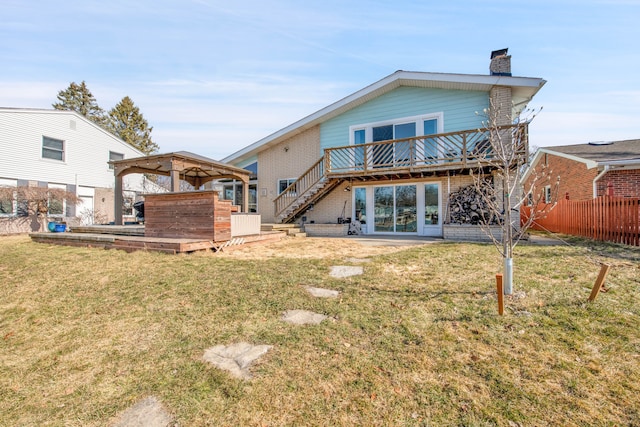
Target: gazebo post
(118, 200)
(245, 195)
(175, 180)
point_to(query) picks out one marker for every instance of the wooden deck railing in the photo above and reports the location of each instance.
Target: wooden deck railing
(453, 150)
(304, 184)
(440, 151)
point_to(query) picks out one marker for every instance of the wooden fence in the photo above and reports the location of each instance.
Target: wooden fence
(611, 219)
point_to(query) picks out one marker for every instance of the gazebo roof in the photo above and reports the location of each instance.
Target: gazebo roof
(192, 168)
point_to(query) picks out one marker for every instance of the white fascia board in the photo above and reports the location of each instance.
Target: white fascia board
(529, 87)
(590, 164)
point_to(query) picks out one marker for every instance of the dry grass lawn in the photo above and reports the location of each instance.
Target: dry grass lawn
(414, 341)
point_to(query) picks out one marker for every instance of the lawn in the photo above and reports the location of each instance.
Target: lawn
(414, 341)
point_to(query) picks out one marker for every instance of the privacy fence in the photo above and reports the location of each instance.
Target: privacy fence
(610, 219)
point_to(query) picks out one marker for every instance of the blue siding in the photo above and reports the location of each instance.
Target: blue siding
(459, 108)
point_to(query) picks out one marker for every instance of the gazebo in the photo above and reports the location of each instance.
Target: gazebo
(182, 165)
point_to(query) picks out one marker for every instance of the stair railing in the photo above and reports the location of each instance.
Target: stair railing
(301, 187)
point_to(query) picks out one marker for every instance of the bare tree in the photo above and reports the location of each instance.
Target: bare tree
(498, 181)
(36, 203)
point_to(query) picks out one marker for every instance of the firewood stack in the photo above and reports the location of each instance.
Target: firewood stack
(467, 206)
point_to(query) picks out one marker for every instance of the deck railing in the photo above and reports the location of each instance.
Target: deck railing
(453, 150)
(440, 151)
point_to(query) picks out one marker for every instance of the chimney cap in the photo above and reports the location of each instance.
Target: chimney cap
(499, 52)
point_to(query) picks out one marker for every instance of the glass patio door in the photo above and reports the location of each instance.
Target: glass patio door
(395, 209)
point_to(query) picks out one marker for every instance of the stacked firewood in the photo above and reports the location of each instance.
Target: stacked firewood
(468, 206)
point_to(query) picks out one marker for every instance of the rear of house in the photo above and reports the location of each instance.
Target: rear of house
(388, 156)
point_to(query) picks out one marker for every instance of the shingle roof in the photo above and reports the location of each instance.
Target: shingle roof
(602, 152)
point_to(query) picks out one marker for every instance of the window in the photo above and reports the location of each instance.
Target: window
(6, 203)
(406, 127)
(114, 156)
(547, 194)
(52, 148)
(56, 204)
(284, 183)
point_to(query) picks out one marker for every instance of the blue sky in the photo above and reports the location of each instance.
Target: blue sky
(214, 76)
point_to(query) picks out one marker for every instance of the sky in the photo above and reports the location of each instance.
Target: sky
(214, 76)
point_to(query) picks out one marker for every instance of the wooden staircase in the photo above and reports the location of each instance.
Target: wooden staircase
(309, 188)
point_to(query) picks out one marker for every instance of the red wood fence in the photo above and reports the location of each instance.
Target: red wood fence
(611, 219)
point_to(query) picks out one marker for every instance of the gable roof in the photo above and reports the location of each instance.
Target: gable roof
(523, 89)
(593, 154)
(602, 154)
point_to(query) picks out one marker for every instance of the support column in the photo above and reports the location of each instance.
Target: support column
(118, 200)
(245, 196)
(175, 180)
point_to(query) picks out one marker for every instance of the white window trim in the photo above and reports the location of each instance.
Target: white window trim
(289, 182)
(418, 120)
(63, 151)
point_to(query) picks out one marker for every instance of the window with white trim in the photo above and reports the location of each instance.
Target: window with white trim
(405, 127)
(283, 184)
(547, 194)
(52, 148)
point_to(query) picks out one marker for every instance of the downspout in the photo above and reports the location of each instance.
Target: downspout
(597, 178)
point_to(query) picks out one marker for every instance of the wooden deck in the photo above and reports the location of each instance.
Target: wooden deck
(101, 238)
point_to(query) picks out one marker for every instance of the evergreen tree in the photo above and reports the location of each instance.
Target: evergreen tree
(127, 122)
(78, 98)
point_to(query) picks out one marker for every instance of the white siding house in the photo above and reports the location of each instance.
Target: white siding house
(60, 149)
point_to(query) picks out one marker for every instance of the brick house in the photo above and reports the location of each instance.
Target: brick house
(591, 170)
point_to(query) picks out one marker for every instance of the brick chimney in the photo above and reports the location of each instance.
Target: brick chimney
(500, 63)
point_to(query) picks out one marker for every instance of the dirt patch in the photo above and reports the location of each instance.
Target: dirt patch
(312, 248)
(148, 412)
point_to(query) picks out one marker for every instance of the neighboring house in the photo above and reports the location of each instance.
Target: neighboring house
(388, 155)
(587, 171)
(64, 150)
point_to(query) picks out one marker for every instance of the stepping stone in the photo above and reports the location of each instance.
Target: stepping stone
(322, 293)
(148, 412)
(303, 317)
(342, 271)
(235, 358)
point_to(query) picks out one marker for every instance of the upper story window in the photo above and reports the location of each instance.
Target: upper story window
(52, 148)
(407, 127)
(115, 156)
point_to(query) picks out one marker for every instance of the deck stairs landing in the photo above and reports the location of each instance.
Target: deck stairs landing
(292, 230)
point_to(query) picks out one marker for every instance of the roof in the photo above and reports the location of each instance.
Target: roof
(619, 154)
(601, 152)
(192, 168)
(523, 89)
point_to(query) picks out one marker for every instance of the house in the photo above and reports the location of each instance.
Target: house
(389, 155)
(587, 171)
(62, 150)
